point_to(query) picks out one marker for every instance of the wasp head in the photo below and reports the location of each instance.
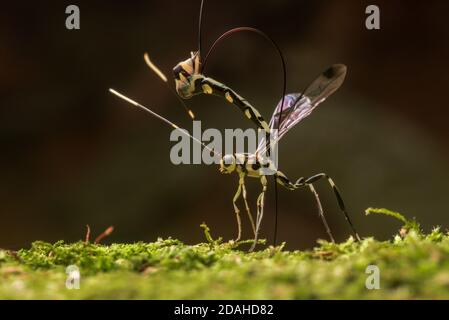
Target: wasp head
(185, 73)
(227, 164)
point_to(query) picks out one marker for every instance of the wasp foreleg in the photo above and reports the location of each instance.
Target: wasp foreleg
(260, 207)
(248, 210)
(236, 209)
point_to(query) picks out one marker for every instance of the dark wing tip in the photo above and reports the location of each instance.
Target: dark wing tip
(336, 71)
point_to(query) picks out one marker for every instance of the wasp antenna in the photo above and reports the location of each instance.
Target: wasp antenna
(200, 23)
(131, 101)
(153, 67)
(158, 116)
(161, 75)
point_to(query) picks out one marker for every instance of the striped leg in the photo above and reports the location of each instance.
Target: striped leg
(260, 207)
(337, 195)
(321, 212)
(301, 182)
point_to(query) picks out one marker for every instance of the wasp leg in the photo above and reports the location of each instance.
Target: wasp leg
(301, 182)
(337, 195)
(260, 207)
(236, 209)
(248, 211)
(321, 212)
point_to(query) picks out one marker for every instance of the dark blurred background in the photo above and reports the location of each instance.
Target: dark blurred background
(72, 154)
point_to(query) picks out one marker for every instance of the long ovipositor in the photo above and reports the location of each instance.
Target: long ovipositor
(190, 82)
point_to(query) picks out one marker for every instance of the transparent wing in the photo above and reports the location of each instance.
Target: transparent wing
(298, 106)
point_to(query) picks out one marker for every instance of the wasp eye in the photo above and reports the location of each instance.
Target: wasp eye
(176, 71)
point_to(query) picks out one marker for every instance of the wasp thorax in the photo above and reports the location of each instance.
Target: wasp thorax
(227, 164)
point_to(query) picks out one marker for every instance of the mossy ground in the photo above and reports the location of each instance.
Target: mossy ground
(412, 266)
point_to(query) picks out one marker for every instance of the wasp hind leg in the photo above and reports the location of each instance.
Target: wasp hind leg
(337, 194)
(301, 182)
(321, 212)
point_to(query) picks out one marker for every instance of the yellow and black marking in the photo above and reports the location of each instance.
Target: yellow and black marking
(229, 97)
(206, 88)
(284, 181)
(216, 88)
(190, 82)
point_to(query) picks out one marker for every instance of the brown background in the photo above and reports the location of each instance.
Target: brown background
(72, 154)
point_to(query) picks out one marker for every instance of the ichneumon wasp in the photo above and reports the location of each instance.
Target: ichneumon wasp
(289, 112)
(292, 108)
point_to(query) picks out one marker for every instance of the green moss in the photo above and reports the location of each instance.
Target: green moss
(412, 265)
